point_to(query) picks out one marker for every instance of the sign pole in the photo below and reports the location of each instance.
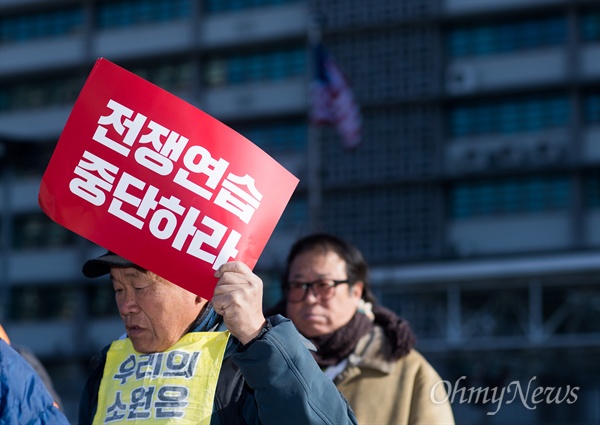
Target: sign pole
(314, 133)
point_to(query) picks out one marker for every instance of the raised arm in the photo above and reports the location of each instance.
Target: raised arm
(288, 385)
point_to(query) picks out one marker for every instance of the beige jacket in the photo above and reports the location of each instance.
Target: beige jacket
(392, 393)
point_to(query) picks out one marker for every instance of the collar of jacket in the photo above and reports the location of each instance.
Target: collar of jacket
(372, 352)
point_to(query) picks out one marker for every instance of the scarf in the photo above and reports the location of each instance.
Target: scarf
(207, 321)
(336, 346)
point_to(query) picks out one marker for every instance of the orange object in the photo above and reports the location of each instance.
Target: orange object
(3, 335)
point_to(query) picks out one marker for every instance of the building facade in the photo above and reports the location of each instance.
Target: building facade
(475, 194)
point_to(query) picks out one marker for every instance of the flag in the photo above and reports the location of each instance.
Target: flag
(332, 100)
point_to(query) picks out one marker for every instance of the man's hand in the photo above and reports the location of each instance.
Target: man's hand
(238, 298)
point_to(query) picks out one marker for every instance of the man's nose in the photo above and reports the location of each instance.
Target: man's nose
(128, 303)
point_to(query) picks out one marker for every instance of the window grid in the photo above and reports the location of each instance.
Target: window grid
(295, 215)
(133, 12)
(592, 108)
(28, 159)
(171, 76)
(55, 302)
(21, 28)
(216, 6)
(592, 190)
(343, 14)
(36, 94)
(400, 143)
(397, 64)
(59, 302)
(509, 196)
(392, 224)
(532, 113)
(37, 231)
(481, 40)
(272, 65)
(100, 300)
(279, 137)
(590, 27)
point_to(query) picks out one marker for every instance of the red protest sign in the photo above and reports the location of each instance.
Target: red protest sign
(152, 178)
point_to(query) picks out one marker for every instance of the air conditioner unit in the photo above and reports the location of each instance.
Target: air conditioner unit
(472, 160)
(545, 152)
(507, 156)
(461, 79)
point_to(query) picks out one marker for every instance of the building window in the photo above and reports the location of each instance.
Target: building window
(29, 303)
(592, 190)
(216, 6)
(101, 300)
(37, 231)
(295, 215)
(260, 66)
(509, 196)
(497, 38)
(173, 76)
(591, 108)
(48, 24)
(40, 93)
(278, 137)
(124, 13)
(590, 26)
(513, 115)
(27, 159)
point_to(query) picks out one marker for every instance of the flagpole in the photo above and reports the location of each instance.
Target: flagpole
(314, 133)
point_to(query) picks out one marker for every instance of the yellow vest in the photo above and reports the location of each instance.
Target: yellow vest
(176, 386)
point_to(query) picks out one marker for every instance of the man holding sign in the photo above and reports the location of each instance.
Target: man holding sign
(178, 363)
(185, 206)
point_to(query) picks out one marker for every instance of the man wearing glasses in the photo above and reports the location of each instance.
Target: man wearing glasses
(363, 347)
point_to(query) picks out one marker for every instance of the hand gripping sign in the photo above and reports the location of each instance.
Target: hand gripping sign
(150, 177)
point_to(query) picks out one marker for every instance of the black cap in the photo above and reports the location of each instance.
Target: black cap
(100, 266)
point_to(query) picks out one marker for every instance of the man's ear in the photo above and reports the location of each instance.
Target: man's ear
(357, 288)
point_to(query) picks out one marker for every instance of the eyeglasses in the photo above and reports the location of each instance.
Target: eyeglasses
(322, 289)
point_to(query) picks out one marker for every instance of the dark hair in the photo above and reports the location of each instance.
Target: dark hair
(356, 266)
